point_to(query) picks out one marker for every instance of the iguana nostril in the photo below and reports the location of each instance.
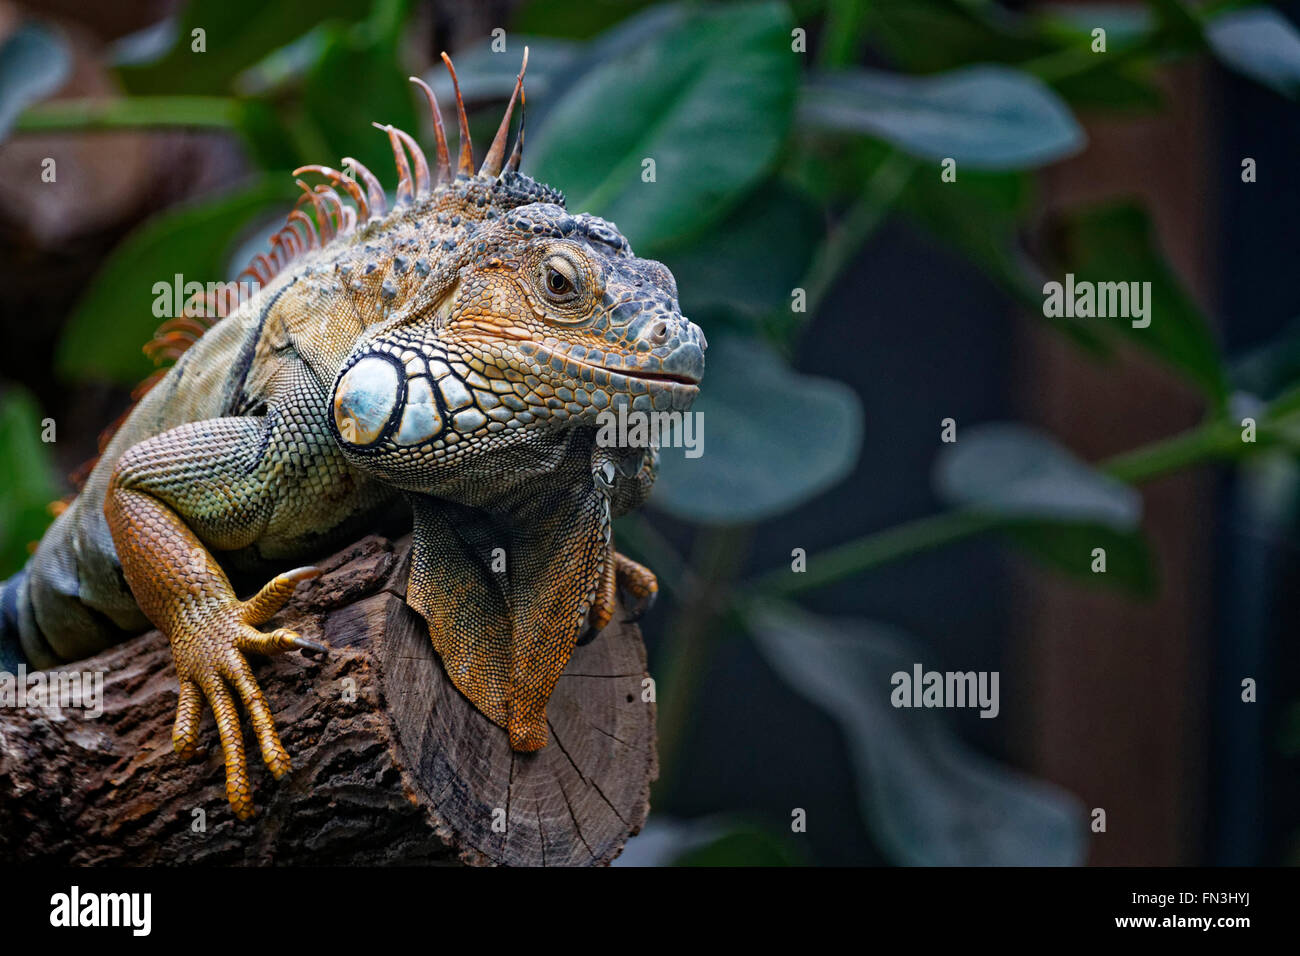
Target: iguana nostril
(364, 400)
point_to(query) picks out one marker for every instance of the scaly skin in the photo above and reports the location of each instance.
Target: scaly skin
(451, 355)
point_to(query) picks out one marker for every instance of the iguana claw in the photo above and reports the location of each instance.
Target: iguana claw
(210, 661)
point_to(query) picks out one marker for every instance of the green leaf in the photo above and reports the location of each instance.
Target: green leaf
(237, 34)
(1072, 24)
(738, 268)
(927, 798)
(1260, 43)
(1121, 78)
(564, 18)
(708, 100)
(980, 216)
(34, 62)
(27, 477)
(1117, 243)
(115, 316)
(955, 33)
(359, 80)
(487, 74)
(1128, 87)
(772, 438)
(286, 66)
(984, 117)
(1069, 547)
(1058, 508)
(1013, 471)
(1179, 25)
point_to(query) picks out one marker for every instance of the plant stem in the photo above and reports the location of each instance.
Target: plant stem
(1204, 443)
(871, 551)
(844, 33)
(1212, 440)
(217, 112)
(862, 219)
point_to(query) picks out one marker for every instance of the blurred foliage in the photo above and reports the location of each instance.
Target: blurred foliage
(192, 240)
(26, 476)
(758, 145)
(928, 799)
(33, 64)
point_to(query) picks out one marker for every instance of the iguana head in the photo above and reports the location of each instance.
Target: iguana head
(510, 318)
(547, 320)
(471, 339)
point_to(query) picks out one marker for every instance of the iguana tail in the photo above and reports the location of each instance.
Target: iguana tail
(13, 594)
(70, 601)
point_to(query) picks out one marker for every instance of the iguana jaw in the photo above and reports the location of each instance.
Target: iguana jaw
(666, 388)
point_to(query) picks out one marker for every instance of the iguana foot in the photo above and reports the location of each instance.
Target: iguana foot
(209, 653)
(635, 580)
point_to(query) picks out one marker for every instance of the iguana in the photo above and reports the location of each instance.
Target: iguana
(453, 353)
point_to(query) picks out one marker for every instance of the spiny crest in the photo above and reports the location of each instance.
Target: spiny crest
(497, 180)
(334, 217)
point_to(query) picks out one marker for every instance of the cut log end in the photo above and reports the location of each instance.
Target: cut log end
(392, 765)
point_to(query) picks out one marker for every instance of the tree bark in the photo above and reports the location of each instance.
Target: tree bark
(391, 764)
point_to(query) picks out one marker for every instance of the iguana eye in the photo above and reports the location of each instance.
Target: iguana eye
(556, 282)
(560, 279)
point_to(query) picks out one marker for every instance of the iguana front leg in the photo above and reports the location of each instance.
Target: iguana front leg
(213, 474)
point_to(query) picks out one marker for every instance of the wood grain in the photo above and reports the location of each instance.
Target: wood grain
(391, 764)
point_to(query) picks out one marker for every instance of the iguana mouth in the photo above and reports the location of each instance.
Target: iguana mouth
(688, 382)
(666, 377)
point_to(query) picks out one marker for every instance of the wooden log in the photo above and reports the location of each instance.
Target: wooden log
(391, 764)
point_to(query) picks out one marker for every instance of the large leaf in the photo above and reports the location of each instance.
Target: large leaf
(708, 100)
(359, 80)
(27, 482)
(928, 799)
(1055, 507)
(981, 215)
(955, 33)
(34, 62)
(115, 316)
(984, 117)
(554, 65)
(772, 439)
(1260, 43)
(1117, 243)
(564, 18)
(1013, 471)
(487, 73)
(237, 34)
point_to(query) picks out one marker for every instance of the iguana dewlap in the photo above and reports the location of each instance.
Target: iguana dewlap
(455, 352)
